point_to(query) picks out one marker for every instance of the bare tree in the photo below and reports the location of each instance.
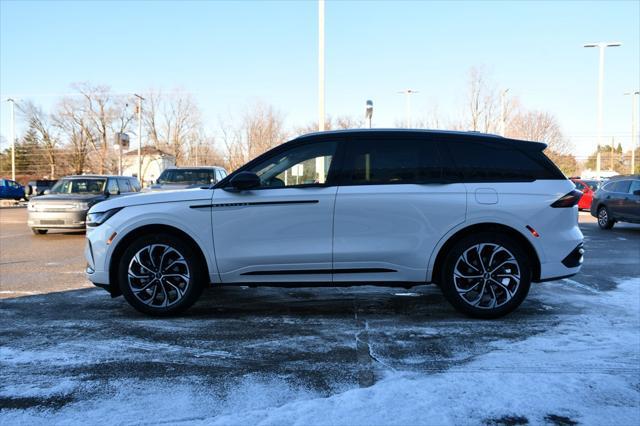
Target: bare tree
(539, 126)
(260, 129)
(41, 124)
(69, 117)
(333, 123)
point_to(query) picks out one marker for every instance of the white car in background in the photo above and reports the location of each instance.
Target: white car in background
(480, 215)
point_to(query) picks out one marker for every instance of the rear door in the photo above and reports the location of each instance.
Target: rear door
(392, 208)
(631, 204)
(619, 193)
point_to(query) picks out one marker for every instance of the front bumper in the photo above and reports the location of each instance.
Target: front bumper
(72, 219)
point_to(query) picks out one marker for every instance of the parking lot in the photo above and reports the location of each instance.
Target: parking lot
(368, 355)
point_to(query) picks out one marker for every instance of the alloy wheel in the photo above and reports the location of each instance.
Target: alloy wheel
(486, 276)
(158, 275)
(603, 217)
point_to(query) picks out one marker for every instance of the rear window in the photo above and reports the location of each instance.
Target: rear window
(187, 176)
(490, 161)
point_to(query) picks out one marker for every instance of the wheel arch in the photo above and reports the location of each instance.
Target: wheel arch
(532, 254)
(153, 229)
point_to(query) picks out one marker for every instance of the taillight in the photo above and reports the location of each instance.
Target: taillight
(569, 200)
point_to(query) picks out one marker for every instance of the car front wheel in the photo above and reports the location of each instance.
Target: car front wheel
(604, 218)
(486, 275)
(160, 275)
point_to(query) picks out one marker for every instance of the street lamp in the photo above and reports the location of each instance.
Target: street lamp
(408, 93)
(601, 46)
(13, 138)
(321, 91)
(634, 127)
(369, 111)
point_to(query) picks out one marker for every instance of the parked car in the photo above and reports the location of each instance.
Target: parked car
(38, 187)
(66, 204)
(588, 188)
(188, 177)
(482, 216)
(618, 200)
(11, 190)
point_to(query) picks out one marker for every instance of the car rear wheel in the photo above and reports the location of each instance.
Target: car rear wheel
(486, 275)
(604, 218)
(38, 231)
(160, 275)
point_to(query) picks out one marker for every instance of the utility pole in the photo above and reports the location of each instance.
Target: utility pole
(408, 93)
(601, 47)
(321, 90)
(503, 112)
(140, 99)
(613, 142)
(634, 127)
(13, 138)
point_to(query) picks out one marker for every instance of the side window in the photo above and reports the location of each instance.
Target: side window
(622, 186)
(300, 166)
(635, 186)
(391, 161)
(112, 186)
(135, 185)
(124, 185)
(487, 161)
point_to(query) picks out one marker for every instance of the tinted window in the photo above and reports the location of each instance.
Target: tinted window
(124, 185)
(307, 164)
(187, 176)
(579, 186)
(635, 186)
(621, 186)
(391, 160)
(485, 160)
(112, 186)
(135, 185)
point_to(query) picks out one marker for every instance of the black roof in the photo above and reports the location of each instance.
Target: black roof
(407, 132)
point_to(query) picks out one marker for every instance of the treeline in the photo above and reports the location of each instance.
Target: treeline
(78, 135)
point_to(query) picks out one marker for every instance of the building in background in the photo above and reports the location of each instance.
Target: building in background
(154, 161)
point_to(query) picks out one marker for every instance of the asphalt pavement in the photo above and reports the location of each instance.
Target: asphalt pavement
(72, 354)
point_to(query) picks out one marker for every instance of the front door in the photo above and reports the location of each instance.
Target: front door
(281, 231)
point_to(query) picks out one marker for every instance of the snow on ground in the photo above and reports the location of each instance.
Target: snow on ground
(585, 369)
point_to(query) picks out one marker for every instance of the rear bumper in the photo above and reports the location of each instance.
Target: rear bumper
(568, 266)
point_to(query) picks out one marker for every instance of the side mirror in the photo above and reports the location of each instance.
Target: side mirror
(245, 180)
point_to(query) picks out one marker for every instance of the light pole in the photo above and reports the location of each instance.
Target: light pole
(321, 90)
(13, 138)
(408, 93)
(601, 46)
(503, 112)
(140, 99)
(369, 111)
(634, 127)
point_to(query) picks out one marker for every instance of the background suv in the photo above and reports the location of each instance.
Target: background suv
(66, 204)
(482, 216)
(618, 200)
(188, 177)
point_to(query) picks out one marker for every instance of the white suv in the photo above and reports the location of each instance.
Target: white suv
(480, 215)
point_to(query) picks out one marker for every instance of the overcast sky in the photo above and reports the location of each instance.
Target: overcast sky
(230, 54)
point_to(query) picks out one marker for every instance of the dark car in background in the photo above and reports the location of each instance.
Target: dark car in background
(588, 188)
(38, 187)
(618, 200)
(66, 204)
(11, 190)
(188, 177)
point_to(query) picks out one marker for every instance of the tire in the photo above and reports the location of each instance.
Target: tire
(39, 231)
(480, 295)
(164, 290)
(604, 218)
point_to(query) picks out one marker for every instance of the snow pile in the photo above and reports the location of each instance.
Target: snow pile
(585, 369)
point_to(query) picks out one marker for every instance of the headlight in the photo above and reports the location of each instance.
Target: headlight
(81, 206)
(98, 218)
(32, 207)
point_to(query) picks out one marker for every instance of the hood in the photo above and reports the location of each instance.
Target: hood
(53, 198)
(154, 198)
(174, 186)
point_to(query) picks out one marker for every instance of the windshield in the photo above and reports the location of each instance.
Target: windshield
(187, 176)
(79, 186)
